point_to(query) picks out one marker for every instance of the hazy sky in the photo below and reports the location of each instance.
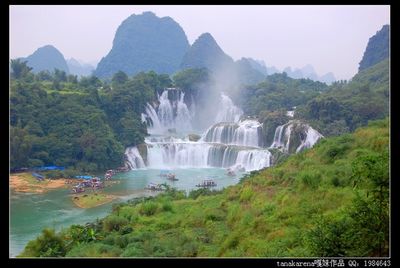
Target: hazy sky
(331, 38)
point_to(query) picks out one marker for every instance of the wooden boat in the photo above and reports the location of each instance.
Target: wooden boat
(207, 183)
(171, 177)
(231, 173)
(77, 189)
(154, 187)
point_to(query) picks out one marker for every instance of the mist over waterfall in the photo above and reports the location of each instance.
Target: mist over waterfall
(228, 112)
(232, 142)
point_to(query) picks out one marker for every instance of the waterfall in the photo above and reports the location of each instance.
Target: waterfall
(133, 158)
(246, 133)
(312, 137)
(253, 159)
(155, 124)
(170, 114)
(202, 155)
(277, 138)
(228, 112)
(228, 144)
(284, 135)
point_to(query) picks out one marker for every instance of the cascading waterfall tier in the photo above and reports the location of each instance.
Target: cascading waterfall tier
(133, 158)
(295, 136)
(199, 154)
(171, 113)
(246, 132)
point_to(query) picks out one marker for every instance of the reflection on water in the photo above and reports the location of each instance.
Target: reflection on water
(30, 213)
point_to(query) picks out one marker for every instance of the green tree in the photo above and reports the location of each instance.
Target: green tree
(60, 76)
(48, 244)
(19, 68)
(20, 147)
(119, 78)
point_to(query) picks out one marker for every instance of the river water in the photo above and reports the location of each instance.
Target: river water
(30, 213)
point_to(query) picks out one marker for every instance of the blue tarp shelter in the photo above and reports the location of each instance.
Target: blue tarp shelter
(49, 168)
(84, 177)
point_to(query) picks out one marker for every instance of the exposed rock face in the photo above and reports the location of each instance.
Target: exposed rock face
(145, 43)
(377, 48)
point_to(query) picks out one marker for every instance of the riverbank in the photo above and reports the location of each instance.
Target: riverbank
(26, 183)
(89, 200)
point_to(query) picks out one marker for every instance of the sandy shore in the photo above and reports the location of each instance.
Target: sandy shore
(26, 183)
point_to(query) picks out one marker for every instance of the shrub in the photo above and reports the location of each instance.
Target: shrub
(166, 206)
(329, 237)
(126, 230)
(48, 244)
(95, 250)
(310, 178)
(338, 147)
(246, 194)
(133, 250)
(114, 223)
(148, 208)
(215, 215)
(335, 181)
(194, 194)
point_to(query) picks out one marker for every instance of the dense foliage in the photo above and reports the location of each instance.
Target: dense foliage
(331, 200)
(145, 43)
(85, 124)
(346, 106)
(278, 91)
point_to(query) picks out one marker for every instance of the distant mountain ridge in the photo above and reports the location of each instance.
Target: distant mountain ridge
(146, 42)
(47, 58)
(77, 68)
(308, 72)
(143, 43)
(206, 53)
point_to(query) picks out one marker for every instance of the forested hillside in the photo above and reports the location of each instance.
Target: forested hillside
(331, 200)
(346, 106)
(85, 124)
